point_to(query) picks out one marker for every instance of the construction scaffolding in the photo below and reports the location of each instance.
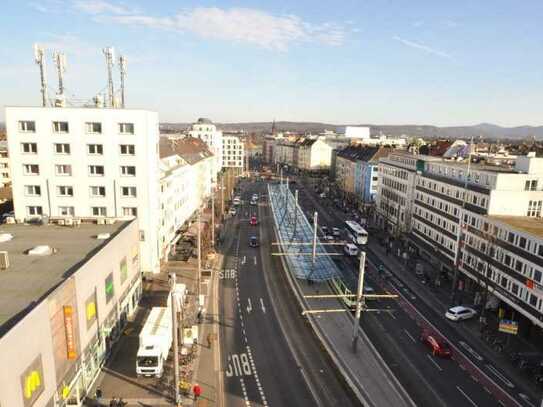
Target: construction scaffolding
(305, 255)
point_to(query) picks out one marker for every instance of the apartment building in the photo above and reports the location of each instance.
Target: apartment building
(484, 226)
(356, 170)
(5, 176)
(396, 190)
(186, 166)
(205, 130)
(64, 304)
(96, 163)
(233, 150)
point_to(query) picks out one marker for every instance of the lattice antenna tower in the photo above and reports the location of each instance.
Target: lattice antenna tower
(109, 53)
(39, 54)
(60, 61)
(122, 68)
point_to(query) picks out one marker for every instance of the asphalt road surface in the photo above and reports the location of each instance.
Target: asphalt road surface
(430, 381)
(269, 354)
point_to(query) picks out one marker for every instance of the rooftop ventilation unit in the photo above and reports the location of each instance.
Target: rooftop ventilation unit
(41, 250)
(103, 236)
(5, 237)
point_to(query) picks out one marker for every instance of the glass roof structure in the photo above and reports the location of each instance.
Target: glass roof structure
(295, 235)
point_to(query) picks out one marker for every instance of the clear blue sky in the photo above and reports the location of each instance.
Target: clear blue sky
(343, 61)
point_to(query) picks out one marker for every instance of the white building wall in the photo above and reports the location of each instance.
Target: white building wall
(320, 155)
(208, 133)
(145, 159)
(233, 150)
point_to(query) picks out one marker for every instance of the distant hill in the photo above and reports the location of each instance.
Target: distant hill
(484, 130)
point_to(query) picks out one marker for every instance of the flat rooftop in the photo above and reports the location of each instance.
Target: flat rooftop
(534, 226)
(30, 278)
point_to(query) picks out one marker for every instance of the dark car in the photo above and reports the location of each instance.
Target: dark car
(437, 346)
(253, 241)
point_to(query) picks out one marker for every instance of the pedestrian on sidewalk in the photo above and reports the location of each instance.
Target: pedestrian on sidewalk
(209, 340)
(113, 402)
(197, 390)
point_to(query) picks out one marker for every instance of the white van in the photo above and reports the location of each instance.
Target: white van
(350, 249)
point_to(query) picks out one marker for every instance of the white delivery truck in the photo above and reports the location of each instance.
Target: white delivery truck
(155, 342)
(350, 249)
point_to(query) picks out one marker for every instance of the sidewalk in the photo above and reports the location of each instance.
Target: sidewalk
(439, 298)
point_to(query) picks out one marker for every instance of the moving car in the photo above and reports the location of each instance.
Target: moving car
(254, 202)
(253, 221)
(437, 346)
(336, 232)
(253, 241)
(459, 313)
(233, 211)
(350, 249)
(236, 201)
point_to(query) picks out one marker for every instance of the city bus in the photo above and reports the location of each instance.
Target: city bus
(356, 232)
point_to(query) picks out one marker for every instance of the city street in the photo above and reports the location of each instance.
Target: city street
(269, 354)
(469, 379)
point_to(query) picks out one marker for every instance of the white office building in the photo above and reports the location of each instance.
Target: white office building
(205, 130)
(5, 176)
(87, 163)
(233, 151)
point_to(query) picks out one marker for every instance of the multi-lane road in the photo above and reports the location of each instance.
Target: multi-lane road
(470, 379)
(269, 355)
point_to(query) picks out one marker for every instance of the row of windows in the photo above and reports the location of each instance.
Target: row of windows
(477, 177)
(37, 210)
(29, 126)
(503, 280)
(394, 172)
(443, 206)
(398, 186)
(65, 148)
(66, 170)
(401, 159)
(454, 192)
(68, 191)
(534, 209)
(436, 219)
(432, 234)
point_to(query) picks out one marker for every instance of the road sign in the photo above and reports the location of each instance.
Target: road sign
(509, 327)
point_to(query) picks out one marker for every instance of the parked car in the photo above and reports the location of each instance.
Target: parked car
(233, 211)
(336, 232)
(253, 241)
(324, 230)
(460, 313)
(437, 346)
(253, 221)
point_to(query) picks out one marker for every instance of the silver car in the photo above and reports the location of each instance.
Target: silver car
(460, 313)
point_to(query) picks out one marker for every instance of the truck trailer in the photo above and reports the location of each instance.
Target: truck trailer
(155, 342)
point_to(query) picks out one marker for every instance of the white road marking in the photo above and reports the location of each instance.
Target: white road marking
(409, 335)
(257, 379)
(243, 259)
(434, 363)
(254, 258)
(471, 351)
(249, 306)
(262, 305)
(526, 399)
(500, 376)
(466, 396)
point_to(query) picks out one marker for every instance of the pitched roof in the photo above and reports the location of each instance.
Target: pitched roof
(364, 153)
(191, 149)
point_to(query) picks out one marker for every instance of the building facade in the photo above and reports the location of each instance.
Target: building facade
(5, 175)
(233, 150)
(95, 163)
(187, 170)
(56, 333)
(205, 130)
(481, 225)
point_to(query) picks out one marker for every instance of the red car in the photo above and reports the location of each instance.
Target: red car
(439, 348)
(253, 220)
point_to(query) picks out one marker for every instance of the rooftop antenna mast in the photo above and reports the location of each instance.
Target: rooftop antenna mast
(122, 67)
(39, 54)
(60, 61)
(109, 52)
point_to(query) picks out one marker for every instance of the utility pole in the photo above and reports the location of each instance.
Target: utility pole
(175, 338)
(295, 215)
(359, 299)
(213, 215)
(199, 251)
(222, 195)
